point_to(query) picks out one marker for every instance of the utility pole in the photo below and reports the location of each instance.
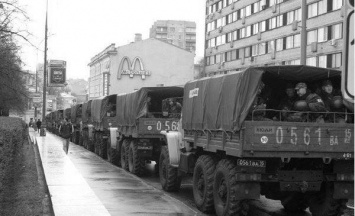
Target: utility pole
(43, 126)
(303, 32)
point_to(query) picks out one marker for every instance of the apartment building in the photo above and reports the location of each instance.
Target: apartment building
(243, 33)
(178, 33)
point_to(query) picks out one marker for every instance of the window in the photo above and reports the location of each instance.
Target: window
(323, 34)
(337, 31)
(235, 16)
(263, 26)
(229, 37)
(290, 17)
(322, 7)
(242, 12)
(248, 31)
(336, 60)
(272, 2)
(234, 54)
(213, 42)
(227, 56)
(234, 35)
(322, 61)
(337, 4)
(219, 23)
(311, 36)
(219, 6)
(312, 10)
(230, 18)
(262, 4)
(311, 61)
(242, 33)
(280, 20)
(262, 48)
(255, 28)
(296, 40)
(247, 52)
(289, 42)
(219, 41)
(298, 14)
(254, 50)
(279, 44)
(225, 3)
(248, 10)
(272, 23)
(213, 59)
(271, 46)
(256, 7)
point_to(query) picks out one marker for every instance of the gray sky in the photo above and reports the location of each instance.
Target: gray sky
(79, 29)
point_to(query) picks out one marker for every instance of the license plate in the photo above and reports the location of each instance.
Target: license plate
(251, 163)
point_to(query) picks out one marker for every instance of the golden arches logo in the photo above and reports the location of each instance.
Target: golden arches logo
(132, 69)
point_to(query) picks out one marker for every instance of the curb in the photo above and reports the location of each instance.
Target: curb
(46, 202)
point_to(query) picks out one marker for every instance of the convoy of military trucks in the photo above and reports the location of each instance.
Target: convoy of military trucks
(232, 157)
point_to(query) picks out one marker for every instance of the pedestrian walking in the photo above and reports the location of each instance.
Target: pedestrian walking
(39, 123)
(66, 130)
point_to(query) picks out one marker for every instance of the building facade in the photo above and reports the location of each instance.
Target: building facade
(243, 33)
(143, 63)
(178, 33)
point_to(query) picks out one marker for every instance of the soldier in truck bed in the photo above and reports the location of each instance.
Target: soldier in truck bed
(311, 101)
(257, 111)
(333, 101)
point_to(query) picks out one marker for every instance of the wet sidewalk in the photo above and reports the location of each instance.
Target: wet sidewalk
(83, 184)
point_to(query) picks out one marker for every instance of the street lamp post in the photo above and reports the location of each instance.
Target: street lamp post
(43, 126)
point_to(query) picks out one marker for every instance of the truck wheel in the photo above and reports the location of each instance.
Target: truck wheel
(323, 203)
(124, 154)
(203, 183)
(85, 140)
(81, 139)
(294, 202)
(169, 179)
(103, 147)
(224, 187)
(135, 162)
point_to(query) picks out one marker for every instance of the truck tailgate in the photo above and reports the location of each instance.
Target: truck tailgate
(298, 139)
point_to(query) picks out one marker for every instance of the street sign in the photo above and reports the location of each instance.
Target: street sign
(348, 53)
(57, 73)
(37, 99)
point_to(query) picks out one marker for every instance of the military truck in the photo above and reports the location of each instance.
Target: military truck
(234, 158)
(58, 121)
(87, 127)
(103, 111)
(76, 119)
(139, 118)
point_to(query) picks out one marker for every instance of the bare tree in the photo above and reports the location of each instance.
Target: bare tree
(13, 91)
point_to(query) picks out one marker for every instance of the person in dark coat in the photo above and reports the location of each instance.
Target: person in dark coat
(313, 101)
(333, 101)
(39, 123)
(66, 130)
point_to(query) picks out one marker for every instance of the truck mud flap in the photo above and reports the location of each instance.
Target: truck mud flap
(247, 190)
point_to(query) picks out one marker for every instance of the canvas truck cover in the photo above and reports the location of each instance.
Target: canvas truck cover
(223, 102)
(132, 106)
(97, 109)
(84, 115)
(74, 109)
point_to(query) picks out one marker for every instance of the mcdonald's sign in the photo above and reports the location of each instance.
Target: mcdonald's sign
(134, 68)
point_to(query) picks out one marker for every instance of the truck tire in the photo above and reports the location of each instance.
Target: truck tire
(169, 178)
(81, 139)
(135, 162)
(323, 203)
(225, 201)
(85, 140)
(203, 176)
(294, 202)
(103, 148)
(124, 154)
(96, 143)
